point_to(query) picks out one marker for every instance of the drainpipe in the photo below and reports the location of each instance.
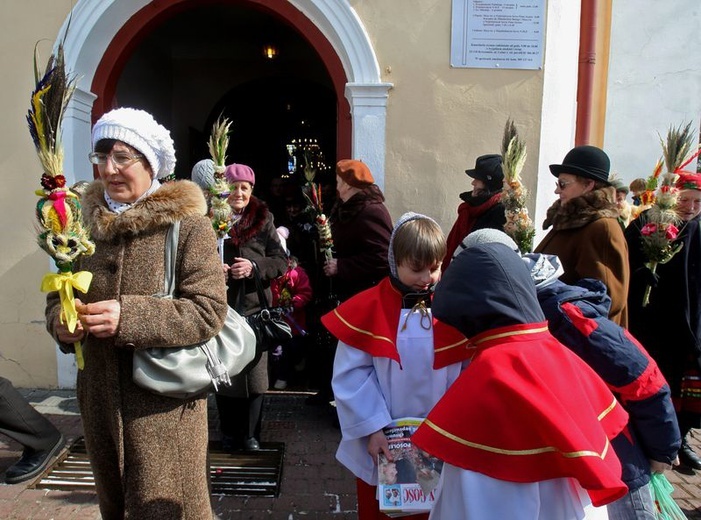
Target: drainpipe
(587, 64)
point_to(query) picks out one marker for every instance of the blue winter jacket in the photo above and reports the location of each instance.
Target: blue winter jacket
(578, 317)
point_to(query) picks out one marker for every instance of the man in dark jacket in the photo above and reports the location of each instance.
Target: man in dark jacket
(578, 318)
(481, 207)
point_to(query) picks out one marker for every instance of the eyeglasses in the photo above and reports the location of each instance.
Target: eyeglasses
(119, 159)
(562, 184)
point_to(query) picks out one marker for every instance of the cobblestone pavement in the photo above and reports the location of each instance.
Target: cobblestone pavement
(314, 486)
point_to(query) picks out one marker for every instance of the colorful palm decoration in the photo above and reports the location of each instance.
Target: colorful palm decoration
(60, 228)
(312, 193)
(660, 229)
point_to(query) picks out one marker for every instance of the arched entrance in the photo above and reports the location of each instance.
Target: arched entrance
(103, 37)
(100, 38)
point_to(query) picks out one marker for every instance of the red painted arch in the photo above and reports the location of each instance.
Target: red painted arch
(140, 24)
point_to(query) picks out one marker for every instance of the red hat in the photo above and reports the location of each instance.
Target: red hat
(238, 173)
(688, 181)
(354, 173)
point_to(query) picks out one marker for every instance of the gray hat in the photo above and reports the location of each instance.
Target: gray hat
(203, 173)
(485, 236)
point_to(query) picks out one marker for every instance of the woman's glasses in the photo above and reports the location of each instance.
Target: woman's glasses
(562, 184)
(119, 159)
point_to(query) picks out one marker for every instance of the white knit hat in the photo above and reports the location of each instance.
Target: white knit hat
(139, 129)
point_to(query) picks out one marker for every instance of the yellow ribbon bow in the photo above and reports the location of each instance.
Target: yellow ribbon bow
(64, 283)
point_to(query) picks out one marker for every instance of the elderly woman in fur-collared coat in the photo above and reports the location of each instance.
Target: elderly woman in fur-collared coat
(253, 239)
(585, 233)
(148, 452)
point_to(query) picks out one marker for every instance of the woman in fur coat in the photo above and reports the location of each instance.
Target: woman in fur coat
(148, 452)
(253, 239)
(585, 233)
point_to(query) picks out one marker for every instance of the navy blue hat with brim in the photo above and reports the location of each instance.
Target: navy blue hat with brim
(585, 161)
(488, 169)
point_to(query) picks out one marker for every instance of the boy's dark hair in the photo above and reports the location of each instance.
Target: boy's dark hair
(420, 242)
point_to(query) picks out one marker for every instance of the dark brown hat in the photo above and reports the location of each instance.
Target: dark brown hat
(585, 161)
(354, 173)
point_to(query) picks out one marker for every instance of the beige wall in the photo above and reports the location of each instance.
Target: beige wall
(27, 354)
(440, 119)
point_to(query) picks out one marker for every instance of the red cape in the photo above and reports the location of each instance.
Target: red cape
(369, 321)
(527, 409)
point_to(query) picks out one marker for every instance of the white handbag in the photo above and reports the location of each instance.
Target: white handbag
(184, 372)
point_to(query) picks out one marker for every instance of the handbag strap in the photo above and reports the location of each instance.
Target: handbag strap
(171, 251)
(259, 286)
(259, 290)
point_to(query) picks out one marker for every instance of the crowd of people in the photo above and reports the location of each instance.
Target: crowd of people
(548, 389)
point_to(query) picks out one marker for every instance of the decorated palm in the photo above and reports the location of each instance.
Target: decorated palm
(312, 193)
(660, 230)
(519, 225)
(220, 211)
(60, 229)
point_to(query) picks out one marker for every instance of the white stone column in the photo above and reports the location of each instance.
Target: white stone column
(368, 103)
(76, 136)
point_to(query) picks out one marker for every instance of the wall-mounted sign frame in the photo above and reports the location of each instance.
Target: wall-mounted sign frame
(503, 34)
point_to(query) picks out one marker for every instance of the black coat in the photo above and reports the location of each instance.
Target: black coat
(253, 237)
(669, 327)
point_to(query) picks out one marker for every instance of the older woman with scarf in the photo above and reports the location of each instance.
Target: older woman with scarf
(586, 235)
(148, 452)
(670, 325)
(253, 238)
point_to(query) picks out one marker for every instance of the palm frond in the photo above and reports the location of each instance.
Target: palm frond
(513, 152)
(677, 145)
(54, 89)
(509, 133)
(219, 140)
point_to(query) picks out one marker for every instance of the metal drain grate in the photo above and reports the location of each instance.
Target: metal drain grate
(242, 473)
(247, 472)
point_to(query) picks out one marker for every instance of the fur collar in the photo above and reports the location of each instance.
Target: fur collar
(172, 201)
(254, 217)
(582, 210)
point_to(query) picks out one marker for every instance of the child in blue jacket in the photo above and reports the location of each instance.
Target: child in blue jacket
(578, 317)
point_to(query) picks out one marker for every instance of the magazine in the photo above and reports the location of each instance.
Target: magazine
(407, 484)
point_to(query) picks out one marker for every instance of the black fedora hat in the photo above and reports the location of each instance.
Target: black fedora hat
(585, 161)
(488, 169)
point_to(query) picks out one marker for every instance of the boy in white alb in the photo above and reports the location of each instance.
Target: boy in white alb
(393, 358)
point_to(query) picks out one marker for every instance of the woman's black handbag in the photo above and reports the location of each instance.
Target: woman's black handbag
(268, 323)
